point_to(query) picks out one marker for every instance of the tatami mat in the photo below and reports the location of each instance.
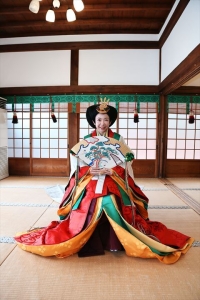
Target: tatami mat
(114, 276)
(17, 219)
(186, 182)
(184, 220)
(5, 250)
(168, 198)
(195, 194)
(24, 195)
(190, 186)
(33, 181)
(152, 183)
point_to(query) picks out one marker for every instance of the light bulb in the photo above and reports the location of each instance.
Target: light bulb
(50, 16)
(70, 15)
(34, 6)
(78, 5)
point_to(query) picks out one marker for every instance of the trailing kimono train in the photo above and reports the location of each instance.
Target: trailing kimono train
(114, 219)
(103, 208)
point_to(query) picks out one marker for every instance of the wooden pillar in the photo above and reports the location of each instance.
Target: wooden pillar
(73, 117)
(74, 67)
(73, 130)
(162, 136)
(31, 140)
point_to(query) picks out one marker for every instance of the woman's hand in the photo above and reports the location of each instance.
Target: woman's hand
(96, 171)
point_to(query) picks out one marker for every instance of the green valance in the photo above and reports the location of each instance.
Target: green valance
(75, 99)
(183, 104)
(175, 103)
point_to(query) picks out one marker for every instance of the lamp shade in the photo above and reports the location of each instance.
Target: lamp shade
(70, 15)
(56, 3)
(34, 6)
(50, 16)
(78, 5)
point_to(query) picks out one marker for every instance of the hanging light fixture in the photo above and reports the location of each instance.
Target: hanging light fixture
(78, 5)
(70, 15)
(34, 6)
(50, 16)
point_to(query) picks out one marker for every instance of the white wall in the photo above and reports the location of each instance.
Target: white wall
(184, 37)
(119, 67)
(42, 68)
(96, 67)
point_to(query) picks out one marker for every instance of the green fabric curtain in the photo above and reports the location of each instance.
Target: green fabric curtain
(183, 104)
(75, 99)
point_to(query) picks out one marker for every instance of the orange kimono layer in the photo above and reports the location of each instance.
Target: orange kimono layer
(115, 220)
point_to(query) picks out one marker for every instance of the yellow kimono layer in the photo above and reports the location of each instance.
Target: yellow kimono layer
(64, 238)
(115, 219)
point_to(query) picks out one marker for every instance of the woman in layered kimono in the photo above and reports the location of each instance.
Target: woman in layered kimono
(103, 209)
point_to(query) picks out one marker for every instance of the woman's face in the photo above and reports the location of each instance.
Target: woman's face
(102, 123)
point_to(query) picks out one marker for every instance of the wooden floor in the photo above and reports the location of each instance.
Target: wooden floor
(25, 203)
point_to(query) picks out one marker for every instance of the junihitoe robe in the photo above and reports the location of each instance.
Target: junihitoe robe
(115, 220)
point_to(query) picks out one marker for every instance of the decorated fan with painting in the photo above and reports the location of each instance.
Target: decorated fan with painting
(101, 152)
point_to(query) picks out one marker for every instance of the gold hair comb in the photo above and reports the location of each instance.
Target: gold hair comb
(103, 106)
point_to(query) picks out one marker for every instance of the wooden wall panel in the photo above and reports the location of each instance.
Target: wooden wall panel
(49, 167)
(144, 168)
(182, 168)
(19, 166)
(141, 168)
(40, 167)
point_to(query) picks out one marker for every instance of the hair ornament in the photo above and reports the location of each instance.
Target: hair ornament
(103, 107)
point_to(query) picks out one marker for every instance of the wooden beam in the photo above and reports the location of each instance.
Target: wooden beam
(90, 8)
(74, 31)
(75, 89)
(79, 46)
(186, 70)
(174, 19)
(83, 22)
(187, 90)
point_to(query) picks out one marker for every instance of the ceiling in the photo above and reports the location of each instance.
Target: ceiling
(98, 17)
(195, 81)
